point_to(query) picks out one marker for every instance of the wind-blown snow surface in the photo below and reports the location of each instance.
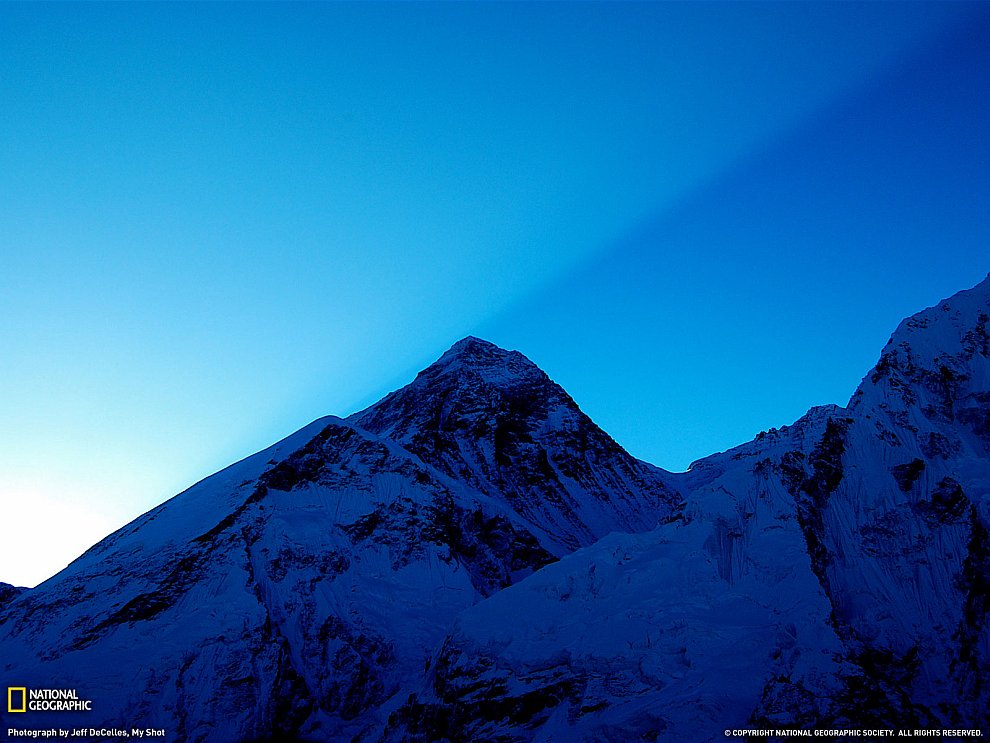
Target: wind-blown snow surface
(473, 559)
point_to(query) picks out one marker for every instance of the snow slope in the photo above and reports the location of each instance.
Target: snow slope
(300, 589)
(832, 573)
(471, 558)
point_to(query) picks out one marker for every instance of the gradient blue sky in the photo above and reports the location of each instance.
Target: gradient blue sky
(218, 222)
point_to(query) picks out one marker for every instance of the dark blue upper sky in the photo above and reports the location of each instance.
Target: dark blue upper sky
(219, 222)
(774, 286)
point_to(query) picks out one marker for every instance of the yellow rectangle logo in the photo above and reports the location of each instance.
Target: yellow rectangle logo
(11, 691)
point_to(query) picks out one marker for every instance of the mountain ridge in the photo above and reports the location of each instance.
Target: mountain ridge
(317, 569)
(471, 557)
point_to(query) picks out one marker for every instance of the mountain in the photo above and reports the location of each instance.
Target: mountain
(493, 420)
(668, 635)
(472, 558)
(833, 573)
(301, 589)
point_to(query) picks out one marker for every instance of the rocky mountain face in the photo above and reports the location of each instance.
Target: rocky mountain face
(494, 421)
(8, 592)
(833, 573)
(302, 589)
(472, 558)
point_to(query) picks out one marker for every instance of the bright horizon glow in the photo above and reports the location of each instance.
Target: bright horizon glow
(221, 222)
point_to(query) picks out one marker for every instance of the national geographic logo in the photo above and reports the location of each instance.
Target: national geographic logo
(15, 693)
(22, 699)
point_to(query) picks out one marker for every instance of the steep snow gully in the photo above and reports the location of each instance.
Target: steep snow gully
(473, 559)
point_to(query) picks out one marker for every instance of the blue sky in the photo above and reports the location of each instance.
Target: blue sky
(219, 222)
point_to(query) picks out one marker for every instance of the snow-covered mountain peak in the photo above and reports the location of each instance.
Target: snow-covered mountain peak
(467, 390)
(954, 326)
(934, 374)
(495, 421)
(485, 362)
(478, 350)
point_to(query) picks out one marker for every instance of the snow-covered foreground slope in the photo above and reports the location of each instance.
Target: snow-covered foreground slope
(677, 633)
(473, 559)
(833, 573)
(300, 590)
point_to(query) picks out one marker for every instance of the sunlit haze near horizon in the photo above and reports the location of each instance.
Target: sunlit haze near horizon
(219, 222)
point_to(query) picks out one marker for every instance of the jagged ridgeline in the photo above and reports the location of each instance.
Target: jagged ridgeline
(473, 559)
